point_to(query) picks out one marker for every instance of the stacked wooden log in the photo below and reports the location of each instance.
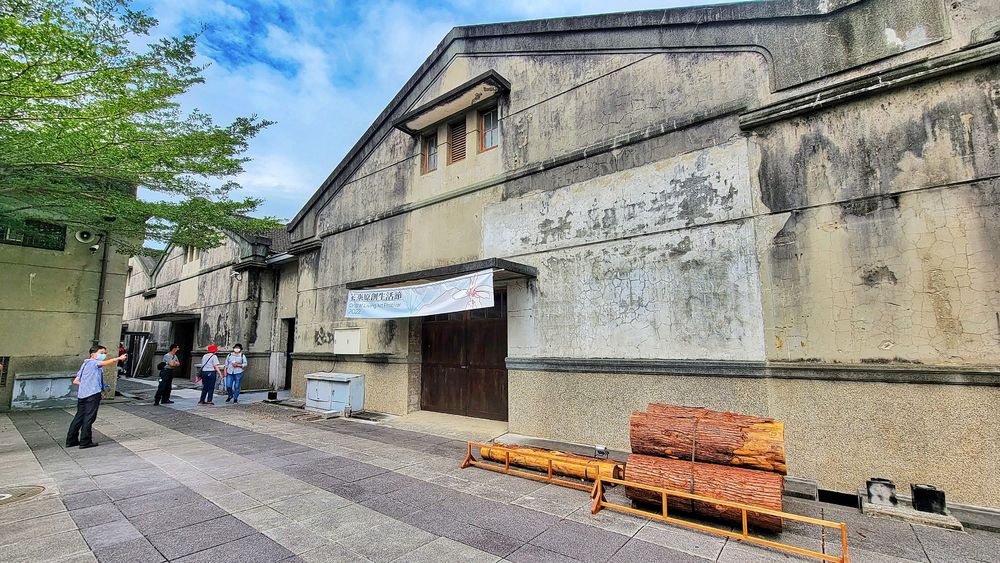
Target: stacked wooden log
(570, 465)
(721, 455)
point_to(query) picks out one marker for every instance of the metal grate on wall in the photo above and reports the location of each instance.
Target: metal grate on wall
(4, 368)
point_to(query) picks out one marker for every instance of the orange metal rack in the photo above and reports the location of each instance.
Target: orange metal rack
(600, 502)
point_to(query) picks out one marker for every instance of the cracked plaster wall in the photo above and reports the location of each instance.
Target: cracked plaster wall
(653, 262)
(883, 247)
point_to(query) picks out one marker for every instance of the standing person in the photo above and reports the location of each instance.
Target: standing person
(90, 379)
(167, 376)
(211, 369)
(122, 368)
(235, 364)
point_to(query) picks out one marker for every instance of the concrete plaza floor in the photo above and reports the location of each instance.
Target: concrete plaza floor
(256, 482)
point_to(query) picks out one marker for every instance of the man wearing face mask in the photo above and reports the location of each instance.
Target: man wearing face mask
(90, 379)
(235, 364)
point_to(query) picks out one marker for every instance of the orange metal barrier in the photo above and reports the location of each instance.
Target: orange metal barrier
(597, 493)
(599, 502)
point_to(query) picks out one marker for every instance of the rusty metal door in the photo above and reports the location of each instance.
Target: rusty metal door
(463, 369)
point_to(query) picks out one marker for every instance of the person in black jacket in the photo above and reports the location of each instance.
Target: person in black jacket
(171, 363)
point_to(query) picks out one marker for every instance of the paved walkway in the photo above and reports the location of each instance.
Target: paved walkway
(254, 483)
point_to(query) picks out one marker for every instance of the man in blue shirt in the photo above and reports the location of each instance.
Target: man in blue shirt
(90, 378)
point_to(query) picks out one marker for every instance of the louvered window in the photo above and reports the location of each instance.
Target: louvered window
(456, 141)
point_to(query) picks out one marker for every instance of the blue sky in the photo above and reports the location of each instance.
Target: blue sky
(323, 70)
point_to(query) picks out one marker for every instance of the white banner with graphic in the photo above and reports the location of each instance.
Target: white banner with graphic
(471, 291)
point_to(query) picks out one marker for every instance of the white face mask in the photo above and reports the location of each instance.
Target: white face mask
(237, 350)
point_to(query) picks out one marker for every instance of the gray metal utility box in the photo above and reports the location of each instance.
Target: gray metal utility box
(335, 393)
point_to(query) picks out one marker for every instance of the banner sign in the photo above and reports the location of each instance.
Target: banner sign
(471, 291)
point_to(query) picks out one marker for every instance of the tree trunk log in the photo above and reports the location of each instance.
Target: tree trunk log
(699, 434)
(757, 488)
(537, 459)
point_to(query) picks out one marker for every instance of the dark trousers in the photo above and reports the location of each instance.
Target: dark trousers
(208, 379)
(80, 430)
(163, 389)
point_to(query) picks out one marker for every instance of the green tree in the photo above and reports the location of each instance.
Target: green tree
(86, 119)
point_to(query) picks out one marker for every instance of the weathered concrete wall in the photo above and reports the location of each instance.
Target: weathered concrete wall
(882, 245)
(49, 302)
(230, 308)
(836, 433)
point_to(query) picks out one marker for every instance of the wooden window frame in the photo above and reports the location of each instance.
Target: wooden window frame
(425, 153)
(451, 140)
(482, 128)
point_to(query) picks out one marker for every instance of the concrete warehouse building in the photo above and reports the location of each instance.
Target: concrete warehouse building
(781, 208)
(224, 295)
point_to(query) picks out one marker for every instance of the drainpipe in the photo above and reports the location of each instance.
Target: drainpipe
(106, 241)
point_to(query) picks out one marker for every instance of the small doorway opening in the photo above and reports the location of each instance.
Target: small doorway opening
(289, 332)
(184, 332)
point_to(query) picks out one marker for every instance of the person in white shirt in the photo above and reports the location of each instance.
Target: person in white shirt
(236, 363)
(211, 369)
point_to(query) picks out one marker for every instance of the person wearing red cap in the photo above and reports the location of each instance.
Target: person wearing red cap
(211, 369)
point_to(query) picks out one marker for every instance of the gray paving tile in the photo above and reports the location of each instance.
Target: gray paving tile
(443, 524)
(682, 539)
(112, 533)
(391, 508)
(738, 552)
(485, 540)
(296, 538)
(32, 508)
(36, 528)
(78, 484)
(580, 541)
(353, 472)
(330, 553)
(444, 549)
(96, 515)
(880, 535)
(509, 520)
(158, 501)
(263, 518)
(303, 507)
(191, 539)
(387, 541)
(171, 518)
(347, 521)
(85, 499)
(636, 551)
(256, 548)
(139, 489)
(948, 545)
(48, 548)
(534, 554)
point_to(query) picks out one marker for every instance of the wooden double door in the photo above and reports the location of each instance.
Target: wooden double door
(464, 367)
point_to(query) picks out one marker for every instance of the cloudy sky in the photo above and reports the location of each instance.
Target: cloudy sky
(324, 69)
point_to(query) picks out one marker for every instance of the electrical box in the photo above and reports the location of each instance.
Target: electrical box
(335, 393)
(349, 341)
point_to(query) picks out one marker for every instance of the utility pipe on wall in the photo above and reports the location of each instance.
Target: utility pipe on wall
(106, 242)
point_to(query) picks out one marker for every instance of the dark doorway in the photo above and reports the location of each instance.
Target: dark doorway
(140, 354)
(184, 337)
(289, 348)
(464, 367)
